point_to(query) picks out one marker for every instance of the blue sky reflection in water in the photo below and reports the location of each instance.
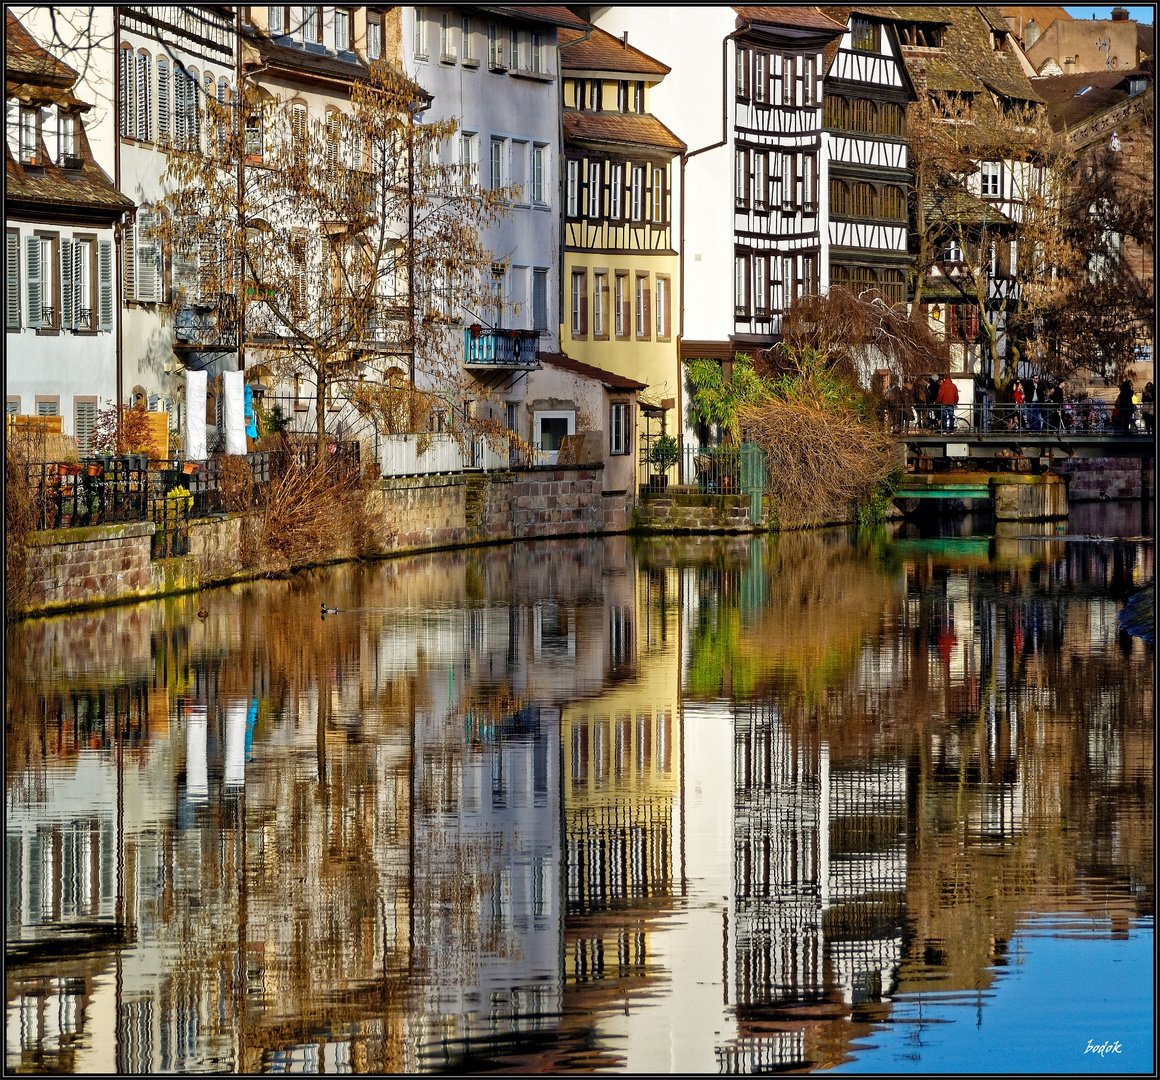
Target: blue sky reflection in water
(677, 805)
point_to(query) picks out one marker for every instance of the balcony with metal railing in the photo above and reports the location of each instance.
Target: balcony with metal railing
(496, 348)
(211, 326)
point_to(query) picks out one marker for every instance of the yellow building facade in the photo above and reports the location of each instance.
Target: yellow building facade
(621, 271)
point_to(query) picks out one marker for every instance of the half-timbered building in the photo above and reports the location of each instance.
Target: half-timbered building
(620, 263)
(866, 93)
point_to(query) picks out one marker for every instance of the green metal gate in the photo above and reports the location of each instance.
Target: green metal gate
(753, 478)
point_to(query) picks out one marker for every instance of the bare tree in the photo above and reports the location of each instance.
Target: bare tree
(351, 246)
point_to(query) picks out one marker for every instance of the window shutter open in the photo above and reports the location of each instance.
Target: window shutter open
(32, 265)
(105, 272)
(66, 283)
(145, 259)
(12, 280)
(129, 263)
(78, 275)
(162, 98)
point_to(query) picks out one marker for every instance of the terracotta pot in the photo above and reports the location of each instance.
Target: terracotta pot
(94, 469)
(189, 468)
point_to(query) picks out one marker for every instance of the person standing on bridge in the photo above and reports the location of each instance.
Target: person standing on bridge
(1034, 401)
(1058, 418)
(1146, 407)
(1019, 419)
(948, 398)
(1125, 408)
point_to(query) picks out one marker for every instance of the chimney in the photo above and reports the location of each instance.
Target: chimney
(1030, 33)
(624, 39)
(1119, 14)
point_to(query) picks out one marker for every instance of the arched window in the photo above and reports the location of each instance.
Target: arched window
(893, 203)
(839, 277)
(864, 279)
(839, 197)
(837, 113)
(863, 201)
(894, 286)
(865, 116)
(892, 120)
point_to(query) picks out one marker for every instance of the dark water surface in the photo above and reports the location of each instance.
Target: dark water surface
(882, 803)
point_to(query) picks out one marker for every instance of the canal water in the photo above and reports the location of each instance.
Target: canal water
(875, 802)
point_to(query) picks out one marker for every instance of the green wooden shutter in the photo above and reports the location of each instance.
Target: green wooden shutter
(12, 280)
(105, 283)
(35, 316)
(66, 284)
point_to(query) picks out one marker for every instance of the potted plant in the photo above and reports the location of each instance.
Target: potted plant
(70, 467)
(94, 468)
(665, 453)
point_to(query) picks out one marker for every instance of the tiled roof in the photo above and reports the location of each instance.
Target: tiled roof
(542, 13)
(960, 206)
(603, 52)
(800, 18)
(57, 190)
(920, 13)
(588, 371)
(1146, 38)
(1066, 106)
(967, 61)
(303, 61)
(26, 62)
(627, 129)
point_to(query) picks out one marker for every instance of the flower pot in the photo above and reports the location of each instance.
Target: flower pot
(70, 468)
(93, 468)
(476, 329)
(189, 468)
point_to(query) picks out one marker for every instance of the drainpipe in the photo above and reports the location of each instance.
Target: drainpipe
(681, 253)
(118, 300)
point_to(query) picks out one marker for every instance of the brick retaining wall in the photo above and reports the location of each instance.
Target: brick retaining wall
(75, 567)
(1107, 478)
(685, 511)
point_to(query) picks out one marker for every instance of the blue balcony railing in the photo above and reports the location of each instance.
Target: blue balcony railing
(501, 348)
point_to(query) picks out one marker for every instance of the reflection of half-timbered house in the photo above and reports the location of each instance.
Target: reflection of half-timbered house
(867, 90)
(620, 262)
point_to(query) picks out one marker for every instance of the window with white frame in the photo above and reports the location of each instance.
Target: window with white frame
(579, 304)
(620, 307)
(741, 177)
(788, 181)
(991, 178)
(788, 78)
(29, 128)
(573, 188)
(643, 298)
(469, 158)
(637, 208)
(419, 32)
(498, 163)
(446, 49)
(810, 181)
(661, 302)
(741, 284)
(374, 37)
(760, 179)
(341, 29)
(808, 84)
(66, 135)
(616, 192)
(465, 39)
(539, 176)
(618, 442)
(275, 15)
(494, 47)
(658, 195)
(550, 428)
(537, 58)
(595, 190)
(39, 278)
(788, 282)
(761, 76)
(952, 251)
(761, 285)
(599, 300)
(312, 24)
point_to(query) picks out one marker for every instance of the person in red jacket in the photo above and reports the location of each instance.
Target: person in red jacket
(948, 398)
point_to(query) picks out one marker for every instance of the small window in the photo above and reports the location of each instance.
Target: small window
(374, 37)
(741, 265)
(446, 49)
(741, 178)
(312, 24)
(743, 61)
(465, 39)
(498, 178)
(865, 116)
(622, 96)
(637, 194)
(616, 193)
(837, 113)
(809, 84)
(599, 305)
(539, 179)
(539, 299)
(419, 32)
(839, 197)
(761, 286)
(864, 35)
(892, 120)
(643, 306)
(952, 252)
(47, 405)
(275, 15)
(761, 77)
(893, 286)
(638, 97)
(494, 48)
(573, 192)
(618, 441)
(991, 174)
(620, 308)
(662, 302)
(894, 203)
(144, 97)
(658, 195)
(595, 190)
(788, 78)
(12, 280)
(341, 30)
(864, 200)
(579, 305)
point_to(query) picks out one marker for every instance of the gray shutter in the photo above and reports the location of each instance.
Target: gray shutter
(66, 284)
(105, 283)
(85, 424)
(79, 252)
(12, 280)
(35, 316)
(129, 263)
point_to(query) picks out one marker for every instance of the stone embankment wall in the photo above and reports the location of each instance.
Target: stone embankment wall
(81, 567)
(1108, 478)
(685, 511)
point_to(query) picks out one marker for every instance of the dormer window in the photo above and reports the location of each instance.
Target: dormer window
(864, 34)
(29, 127)
(67, 135)
(920, 36)
(998, 39)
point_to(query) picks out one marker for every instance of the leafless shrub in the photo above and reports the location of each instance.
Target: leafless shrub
(23, 501)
